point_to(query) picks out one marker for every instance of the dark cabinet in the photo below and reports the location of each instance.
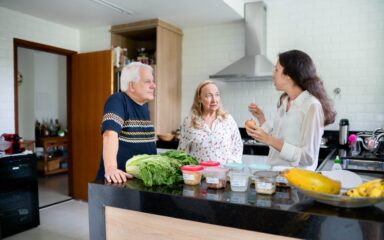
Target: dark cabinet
(19, 207)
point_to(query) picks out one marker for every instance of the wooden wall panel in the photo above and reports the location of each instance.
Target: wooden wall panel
(92, 83)
(168, 73)
(127, 224)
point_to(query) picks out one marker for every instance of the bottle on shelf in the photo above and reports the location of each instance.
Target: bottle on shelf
(337, 164)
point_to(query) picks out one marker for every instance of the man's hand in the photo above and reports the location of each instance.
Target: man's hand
(116, 176)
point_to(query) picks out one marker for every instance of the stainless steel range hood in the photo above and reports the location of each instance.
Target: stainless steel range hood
(254, 66)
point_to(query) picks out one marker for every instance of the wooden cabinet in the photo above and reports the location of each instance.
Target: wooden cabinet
(19, 204)
(54, 159)
(164, 41)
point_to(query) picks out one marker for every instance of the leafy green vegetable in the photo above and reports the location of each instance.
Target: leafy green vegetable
(181, 156)
(159, 169)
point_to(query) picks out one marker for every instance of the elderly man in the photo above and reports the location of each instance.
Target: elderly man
(126, 126)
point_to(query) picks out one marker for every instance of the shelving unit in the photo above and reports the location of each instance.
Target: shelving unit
(54, 155)
(162, 42)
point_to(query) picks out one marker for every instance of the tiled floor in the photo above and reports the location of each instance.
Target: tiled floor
(66, 220)
(53, 189)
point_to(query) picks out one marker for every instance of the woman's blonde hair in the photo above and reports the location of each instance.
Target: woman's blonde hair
(197, 107)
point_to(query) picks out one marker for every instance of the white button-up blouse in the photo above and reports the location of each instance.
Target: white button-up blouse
(220, 143)
(301, 129)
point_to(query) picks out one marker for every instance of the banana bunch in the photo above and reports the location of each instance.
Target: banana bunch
(373, 188)
(312, 181)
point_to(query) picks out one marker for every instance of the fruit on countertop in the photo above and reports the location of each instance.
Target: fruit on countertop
(373, 188)
(312, 181)
(250, 123)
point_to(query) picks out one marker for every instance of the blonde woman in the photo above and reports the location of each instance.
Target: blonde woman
(209, 133)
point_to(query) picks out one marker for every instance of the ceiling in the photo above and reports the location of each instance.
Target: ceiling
(84, 14)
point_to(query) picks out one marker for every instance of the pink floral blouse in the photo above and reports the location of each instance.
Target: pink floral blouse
(220, 143)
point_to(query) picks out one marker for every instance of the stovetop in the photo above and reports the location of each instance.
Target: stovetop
(253, 142)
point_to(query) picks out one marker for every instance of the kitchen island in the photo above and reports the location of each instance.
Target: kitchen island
(285, 213)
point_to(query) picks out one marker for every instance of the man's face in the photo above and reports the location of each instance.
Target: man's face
(145, 88)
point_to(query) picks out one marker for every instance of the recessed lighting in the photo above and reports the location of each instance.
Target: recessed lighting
(112, 6)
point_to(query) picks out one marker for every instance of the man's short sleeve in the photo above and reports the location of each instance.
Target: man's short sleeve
(113, 116)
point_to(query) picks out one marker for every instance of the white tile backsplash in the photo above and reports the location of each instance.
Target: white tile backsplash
(344, 38)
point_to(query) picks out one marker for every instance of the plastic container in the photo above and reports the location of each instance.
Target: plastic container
(208, 164)
(337, 164)
(258, 167)
(280, 180)
(234, 168)
(265, 182)
(239, 181)
(192, 174)
(215, 177)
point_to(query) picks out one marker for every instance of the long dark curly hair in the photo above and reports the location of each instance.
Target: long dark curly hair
(300, 68)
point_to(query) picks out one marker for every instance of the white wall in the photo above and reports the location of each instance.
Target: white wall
(18, 25)
(43, 92)
(345, 38)
(26, 94)
(95, 39)
(50, 78)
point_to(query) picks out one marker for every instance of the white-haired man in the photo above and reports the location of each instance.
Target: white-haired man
(126, 126)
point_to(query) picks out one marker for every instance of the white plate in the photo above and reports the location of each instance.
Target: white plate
(348, 179)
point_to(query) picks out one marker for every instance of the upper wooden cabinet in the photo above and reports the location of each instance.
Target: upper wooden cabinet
(164, 41)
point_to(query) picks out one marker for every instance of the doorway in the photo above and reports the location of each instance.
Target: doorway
(52, 188)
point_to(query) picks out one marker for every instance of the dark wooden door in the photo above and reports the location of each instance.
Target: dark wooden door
(92, 83)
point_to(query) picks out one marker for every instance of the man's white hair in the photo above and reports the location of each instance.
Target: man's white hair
(131, 73)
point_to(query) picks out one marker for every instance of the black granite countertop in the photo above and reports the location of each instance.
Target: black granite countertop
(286, 212)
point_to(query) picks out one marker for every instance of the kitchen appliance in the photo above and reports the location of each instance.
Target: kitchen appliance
(371, 158)
(254, 65)
(14, 139)
(19, 204)
(343, 132)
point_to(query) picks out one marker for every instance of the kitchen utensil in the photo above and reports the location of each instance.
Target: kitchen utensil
(343, 132)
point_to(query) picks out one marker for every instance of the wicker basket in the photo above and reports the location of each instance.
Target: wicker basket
(53, 164)
(166, 136)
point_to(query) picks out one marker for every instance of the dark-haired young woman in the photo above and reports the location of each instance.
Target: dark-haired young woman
(303, 110)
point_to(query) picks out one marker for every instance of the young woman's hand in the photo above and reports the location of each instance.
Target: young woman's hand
(258, 134)
(257, 112)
